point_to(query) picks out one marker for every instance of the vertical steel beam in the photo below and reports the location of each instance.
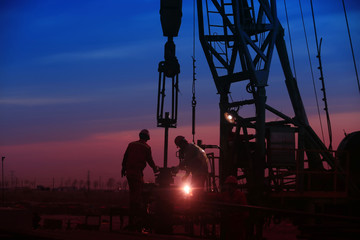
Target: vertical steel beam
(226, 164)
(259, 160)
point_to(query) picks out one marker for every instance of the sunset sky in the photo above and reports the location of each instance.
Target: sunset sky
(78, 81)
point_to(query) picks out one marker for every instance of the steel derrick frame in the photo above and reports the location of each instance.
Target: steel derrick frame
(245, 58)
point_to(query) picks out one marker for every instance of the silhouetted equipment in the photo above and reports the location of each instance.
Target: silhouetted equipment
(311, 68)
(170, 16)
(281, 162)
(2, 182)
(321, 78)
(281, 147)
(349, 156)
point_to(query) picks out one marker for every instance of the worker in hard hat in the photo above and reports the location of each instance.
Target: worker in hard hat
(194, 161)
(233, 222)
(137, 154)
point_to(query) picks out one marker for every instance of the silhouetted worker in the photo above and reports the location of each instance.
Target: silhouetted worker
(137, 154)
(233, 222)
(194, 162)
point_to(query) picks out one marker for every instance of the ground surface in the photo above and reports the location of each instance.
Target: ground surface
(50, 204)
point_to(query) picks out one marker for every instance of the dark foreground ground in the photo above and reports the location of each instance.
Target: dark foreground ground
(283, 231)
(69, 227)
(86, 215)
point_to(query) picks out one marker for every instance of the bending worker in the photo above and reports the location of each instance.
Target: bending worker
(194, 161)
(137, 154)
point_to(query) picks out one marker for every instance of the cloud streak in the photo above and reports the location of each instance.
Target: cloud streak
(124, 52)
(40, 101)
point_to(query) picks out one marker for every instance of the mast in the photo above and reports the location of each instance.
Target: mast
(238, 39)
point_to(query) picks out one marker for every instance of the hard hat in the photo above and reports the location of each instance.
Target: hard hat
(231, 180)
(144, 134)
(179, 140)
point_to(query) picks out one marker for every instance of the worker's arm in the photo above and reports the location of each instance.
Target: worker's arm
(184, 178)
(151, 162)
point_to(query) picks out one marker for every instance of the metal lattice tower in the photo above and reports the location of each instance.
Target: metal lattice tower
(238, 38)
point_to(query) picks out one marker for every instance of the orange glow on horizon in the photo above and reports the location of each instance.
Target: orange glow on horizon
(102, 153)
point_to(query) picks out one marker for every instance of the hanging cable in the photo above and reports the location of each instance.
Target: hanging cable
(318, 48)
(193, 102)
(313, 17)
(351, 45)
(291, 46)
(311, 69)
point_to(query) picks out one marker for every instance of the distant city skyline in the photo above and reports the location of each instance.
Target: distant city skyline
(79, 81)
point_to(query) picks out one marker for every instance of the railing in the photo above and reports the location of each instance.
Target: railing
(298, 179)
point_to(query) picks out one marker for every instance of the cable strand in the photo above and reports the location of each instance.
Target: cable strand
(323, 89)
(311, 69)
(351, 45)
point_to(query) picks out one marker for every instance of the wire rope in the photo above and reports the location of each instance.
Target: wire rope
(318, 48)
(311, 69)
(193, 101)
(351, 45)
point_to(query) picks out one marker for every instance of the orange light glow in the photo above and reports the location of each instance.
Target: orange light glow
(187, 189)
(229, 117)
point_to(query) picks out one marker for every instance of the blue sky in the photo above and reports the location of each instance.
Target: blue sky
(72, 69)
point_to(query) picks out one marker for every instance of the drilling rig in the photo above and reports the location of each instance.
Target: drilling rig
(281, 161)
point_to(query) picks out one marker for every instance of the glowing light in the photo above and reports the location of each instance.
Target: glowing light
(230, 117)
(187, 189)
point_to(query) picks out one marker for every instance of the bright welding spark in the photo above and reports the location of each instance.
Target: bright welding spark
(187, 189)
